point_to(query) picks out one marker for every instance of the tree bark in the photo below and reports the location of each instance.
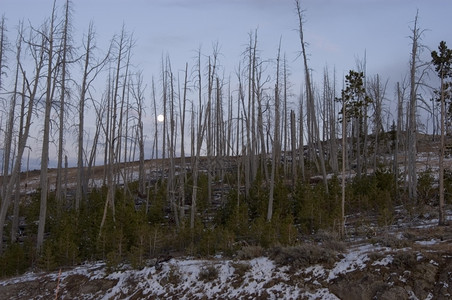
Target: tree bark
(412, 150)
(310, 98)
(276, 156)
(46, 134)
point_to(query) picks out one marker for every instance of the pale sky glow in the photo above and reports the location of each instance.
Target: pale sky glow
(338, 31)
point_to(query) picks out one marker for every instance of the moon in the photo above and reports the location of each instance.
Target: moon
(160, 118)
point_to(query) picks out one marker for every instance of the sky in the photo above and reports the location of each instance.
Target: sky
(338, 32)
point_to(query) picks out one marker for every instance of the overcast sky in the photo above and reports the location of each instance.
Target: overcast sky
(338, 31)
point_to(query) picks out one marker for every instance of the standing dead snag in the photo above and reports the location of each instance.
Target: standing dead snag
(10, 122)
(113, 129)
(63, 57)
(91, 69)
(412, 126)
(276, 147)
(50, 84)
(313, 134)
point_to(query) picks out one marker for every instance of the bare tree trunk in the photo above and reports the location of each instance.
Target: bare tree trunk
(442, 212)
(107, 127)
(64, 64)
(397, 140)
(301, 143)
(199, 138)
(80, 169)
(245, 150)
(38, 54)
(15, 223)
(209, 137)
(88, 69)
(171, 155)
(111, 133)
(46, 134)
(284, 115)
(310, 98)
(3, 48)
(276, 157)
(11, 114)
(377, 96)
(10, 122)
(183, 176)
(229, 135)
(155, 146)
(358, 146)
(293, 140)
(139, 98)
(16, 207)
(412, 152)
(344, 157)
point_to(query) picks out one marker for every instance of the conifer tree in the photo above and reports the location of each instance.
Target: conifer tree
(442, 61)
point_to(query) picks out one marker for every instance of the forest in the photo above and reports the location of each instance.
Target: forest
(230, 159)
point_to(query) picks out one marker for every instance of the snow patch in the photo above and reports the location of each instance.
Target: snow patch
(428, 243)
(384, 261)
(353, 260)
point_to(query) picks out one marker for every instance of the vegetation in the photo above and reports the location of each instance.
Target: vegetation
(262, 175)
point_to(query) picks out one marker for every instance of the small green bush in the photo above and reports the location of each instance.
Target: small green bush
(250, 252)
(425, 187)
(174, 276)
(112, 261)
(303, 255)
(240, 268)
(208, 274)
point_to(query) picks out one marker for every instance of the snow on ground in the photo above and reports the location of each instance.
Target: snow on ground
(353, 260)
(188, 278)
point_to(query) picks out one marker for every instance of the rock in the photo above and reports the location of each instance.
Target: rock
(396, 292)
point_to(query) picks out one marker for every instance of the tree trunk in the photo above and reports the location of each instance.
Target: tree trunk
(64, 64)
(11, 114)
(276, 156)
(397, 139)
(344, 157)
(412, 150)
(310, 99)
(442, 211)
(38, 54)
(293, 140)
(46, 136)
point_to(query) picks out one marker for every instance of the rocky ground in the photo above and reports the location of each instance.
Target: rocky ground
(404, 261)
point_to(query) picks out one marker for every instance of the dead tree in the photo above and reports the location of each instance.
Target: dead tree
(9, 132)
(10, 121)
(314, 135)
(122, 44)
(138, 94)
(183, 173)
(91, 68)
(411, 122)
(63, 57)
(377, 92)
(276, 148)
(44, 181)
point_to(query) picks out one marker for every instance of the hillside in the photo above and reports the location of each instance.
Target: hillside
(400, 254)
(403, 261)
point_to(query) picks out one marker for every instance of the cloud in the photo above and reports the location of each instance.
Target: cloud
(320, 42)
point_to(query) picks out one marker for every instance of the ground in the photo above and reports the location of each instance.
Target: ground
(402, 261)
(410, 259)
